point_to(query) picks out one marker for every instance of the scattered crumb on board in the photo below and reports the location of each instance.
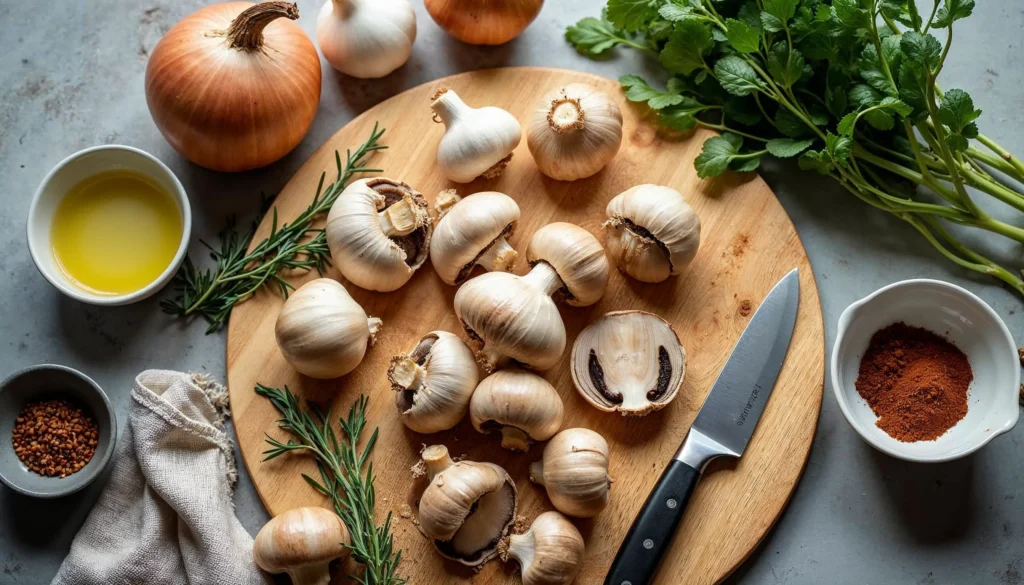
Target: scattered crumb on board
(405, 511)
(419, 469)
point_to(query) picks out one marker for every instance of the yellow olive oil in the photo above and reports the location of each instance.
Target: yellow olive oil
(115, 232)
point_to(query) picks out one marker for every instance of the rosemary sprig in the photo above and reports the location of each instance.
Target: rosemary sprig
(341, 477)
(212, 293)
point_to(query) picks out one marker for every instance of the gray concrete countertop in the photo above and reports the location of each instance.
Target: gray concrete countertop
(71, 76)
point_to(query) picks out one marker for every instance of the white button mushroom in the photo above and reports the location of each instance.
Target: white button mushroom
(322, 332)
(574, 471)
(472, 232)
(434, 382)
(511, 318)
(467, 508)
(379, 231)
(523, 406)
(477, 142)
(301, 542)
(550, 552)
(651, 232)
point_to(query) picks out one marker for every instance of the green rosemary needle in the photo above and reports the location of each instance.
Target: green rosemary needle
(342, 477)
(237, 275)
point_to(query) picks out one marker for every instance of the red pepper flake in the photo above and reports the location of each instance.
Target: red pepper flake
(54, 438)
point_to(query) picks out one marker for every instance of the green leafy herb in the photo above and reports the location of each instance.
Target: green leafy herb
(847, 87)
(238, 275)
(345, 477)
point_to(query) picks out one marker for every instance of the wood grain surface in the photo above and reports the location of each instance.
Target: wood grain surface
(748, 243)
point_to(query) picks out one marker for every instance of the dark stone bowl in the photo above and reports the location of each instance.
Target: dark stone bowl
(44, 382)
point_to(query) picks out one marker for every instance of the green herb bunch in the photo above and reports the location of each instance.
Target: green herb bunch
(212, 293)
(848, 86)
(342, 477)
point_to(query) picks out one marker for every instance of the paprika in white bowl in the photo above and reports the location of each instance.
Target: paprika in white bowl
(928, 425)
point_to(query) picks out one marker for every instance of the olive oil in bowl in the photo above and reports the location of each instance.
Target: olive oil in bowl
(115, 232)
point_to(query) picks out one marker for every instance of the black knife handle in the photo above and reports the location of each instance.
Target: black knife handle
(652, 531)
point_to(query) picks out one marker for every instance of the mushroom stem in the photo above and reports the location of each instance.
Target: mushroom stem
(520, 547)
(407, 373)
(544, 278)
(436, 458)
(499, 257)
(537, 472)
(401, 219)
(514, 439)
(310, 575)
(445, 201)
(566, 115)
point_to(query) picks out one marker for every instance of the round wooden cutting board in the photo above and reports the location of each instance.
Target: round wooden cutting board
(747, 244)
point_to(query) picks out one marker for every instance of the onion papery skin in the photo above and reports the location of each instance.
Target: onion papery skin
(484, 22)
(232, 109)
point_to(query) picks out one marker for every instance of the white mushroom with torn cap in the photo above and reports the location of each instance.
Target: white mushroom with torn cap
(651, 232)
(514, 319)
(434, 382)
(379, 231)
(630, 362)
(301, 542)
(522, 405)
(467, 508)
(473, 231)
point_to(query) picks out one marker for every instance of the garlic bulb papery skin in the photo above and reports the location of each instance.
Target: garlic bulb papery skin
(434, 382)
(575, 131)
(513, 319)
(630, 362)
(574, 471)
(523, 406)
(379, 232)
(467, 508)
(472, 231)
(652, 232)
(549, 553)
(366, 38)
(477, 142)
(322, 331)
(301, 542)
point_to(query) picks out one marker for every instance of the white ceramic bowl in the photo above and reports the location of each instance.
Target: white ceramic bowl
(964, 319)
(66, 175)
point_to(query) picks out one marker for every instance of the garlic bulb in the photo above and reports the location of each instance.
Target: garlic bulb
(574, 471)
(467, 507)
(575, 131)
(628, 361)
(366, 38)
(477, 142)
(322, 331)
(472, 232)
(550, 552)
(434, 382)
(379, 231)
(490, 22)
(511, 318)
(524, 406)
(301, 542)
(652, 232)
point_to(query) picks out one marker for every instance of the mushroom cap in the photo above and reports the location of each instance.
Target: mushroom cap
(574, 471)
(518, 399)
(662, 218)
(576, 256)
(506, 317)
(317, 307)
(628, 361)
(467, 230)
(450, 376)
(300, 537)
(361, 250)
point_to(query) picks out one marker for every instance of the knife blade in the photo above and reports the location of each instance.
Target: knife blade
(723, 428)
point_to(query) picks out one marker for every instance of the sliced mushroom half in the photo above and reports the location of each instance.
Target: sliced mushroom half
(628, 361)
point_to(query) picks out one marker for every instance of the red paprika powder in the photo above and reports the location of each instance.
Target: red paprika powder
(915, 382)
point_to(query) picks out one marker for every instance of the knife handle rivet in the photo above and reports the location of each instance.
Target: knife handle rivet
(626, 583)
(648, 544)
(671, 503)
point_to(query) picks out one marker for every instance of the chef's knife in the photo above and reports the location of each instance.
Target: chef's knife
(722, 428)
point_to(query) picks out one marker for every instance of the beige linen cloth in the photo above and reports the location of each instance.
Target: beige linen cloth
(165, 516)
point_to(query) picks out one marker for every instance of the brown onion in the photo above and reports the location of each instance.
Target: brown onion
(483, 22)
(233, 87)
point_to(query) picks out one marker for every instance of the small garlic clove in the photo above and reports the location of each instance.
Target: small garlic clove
(575, 131)
(651, 232)
(630, 362)
(574, 472)
(523, 406)
(478, 142)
